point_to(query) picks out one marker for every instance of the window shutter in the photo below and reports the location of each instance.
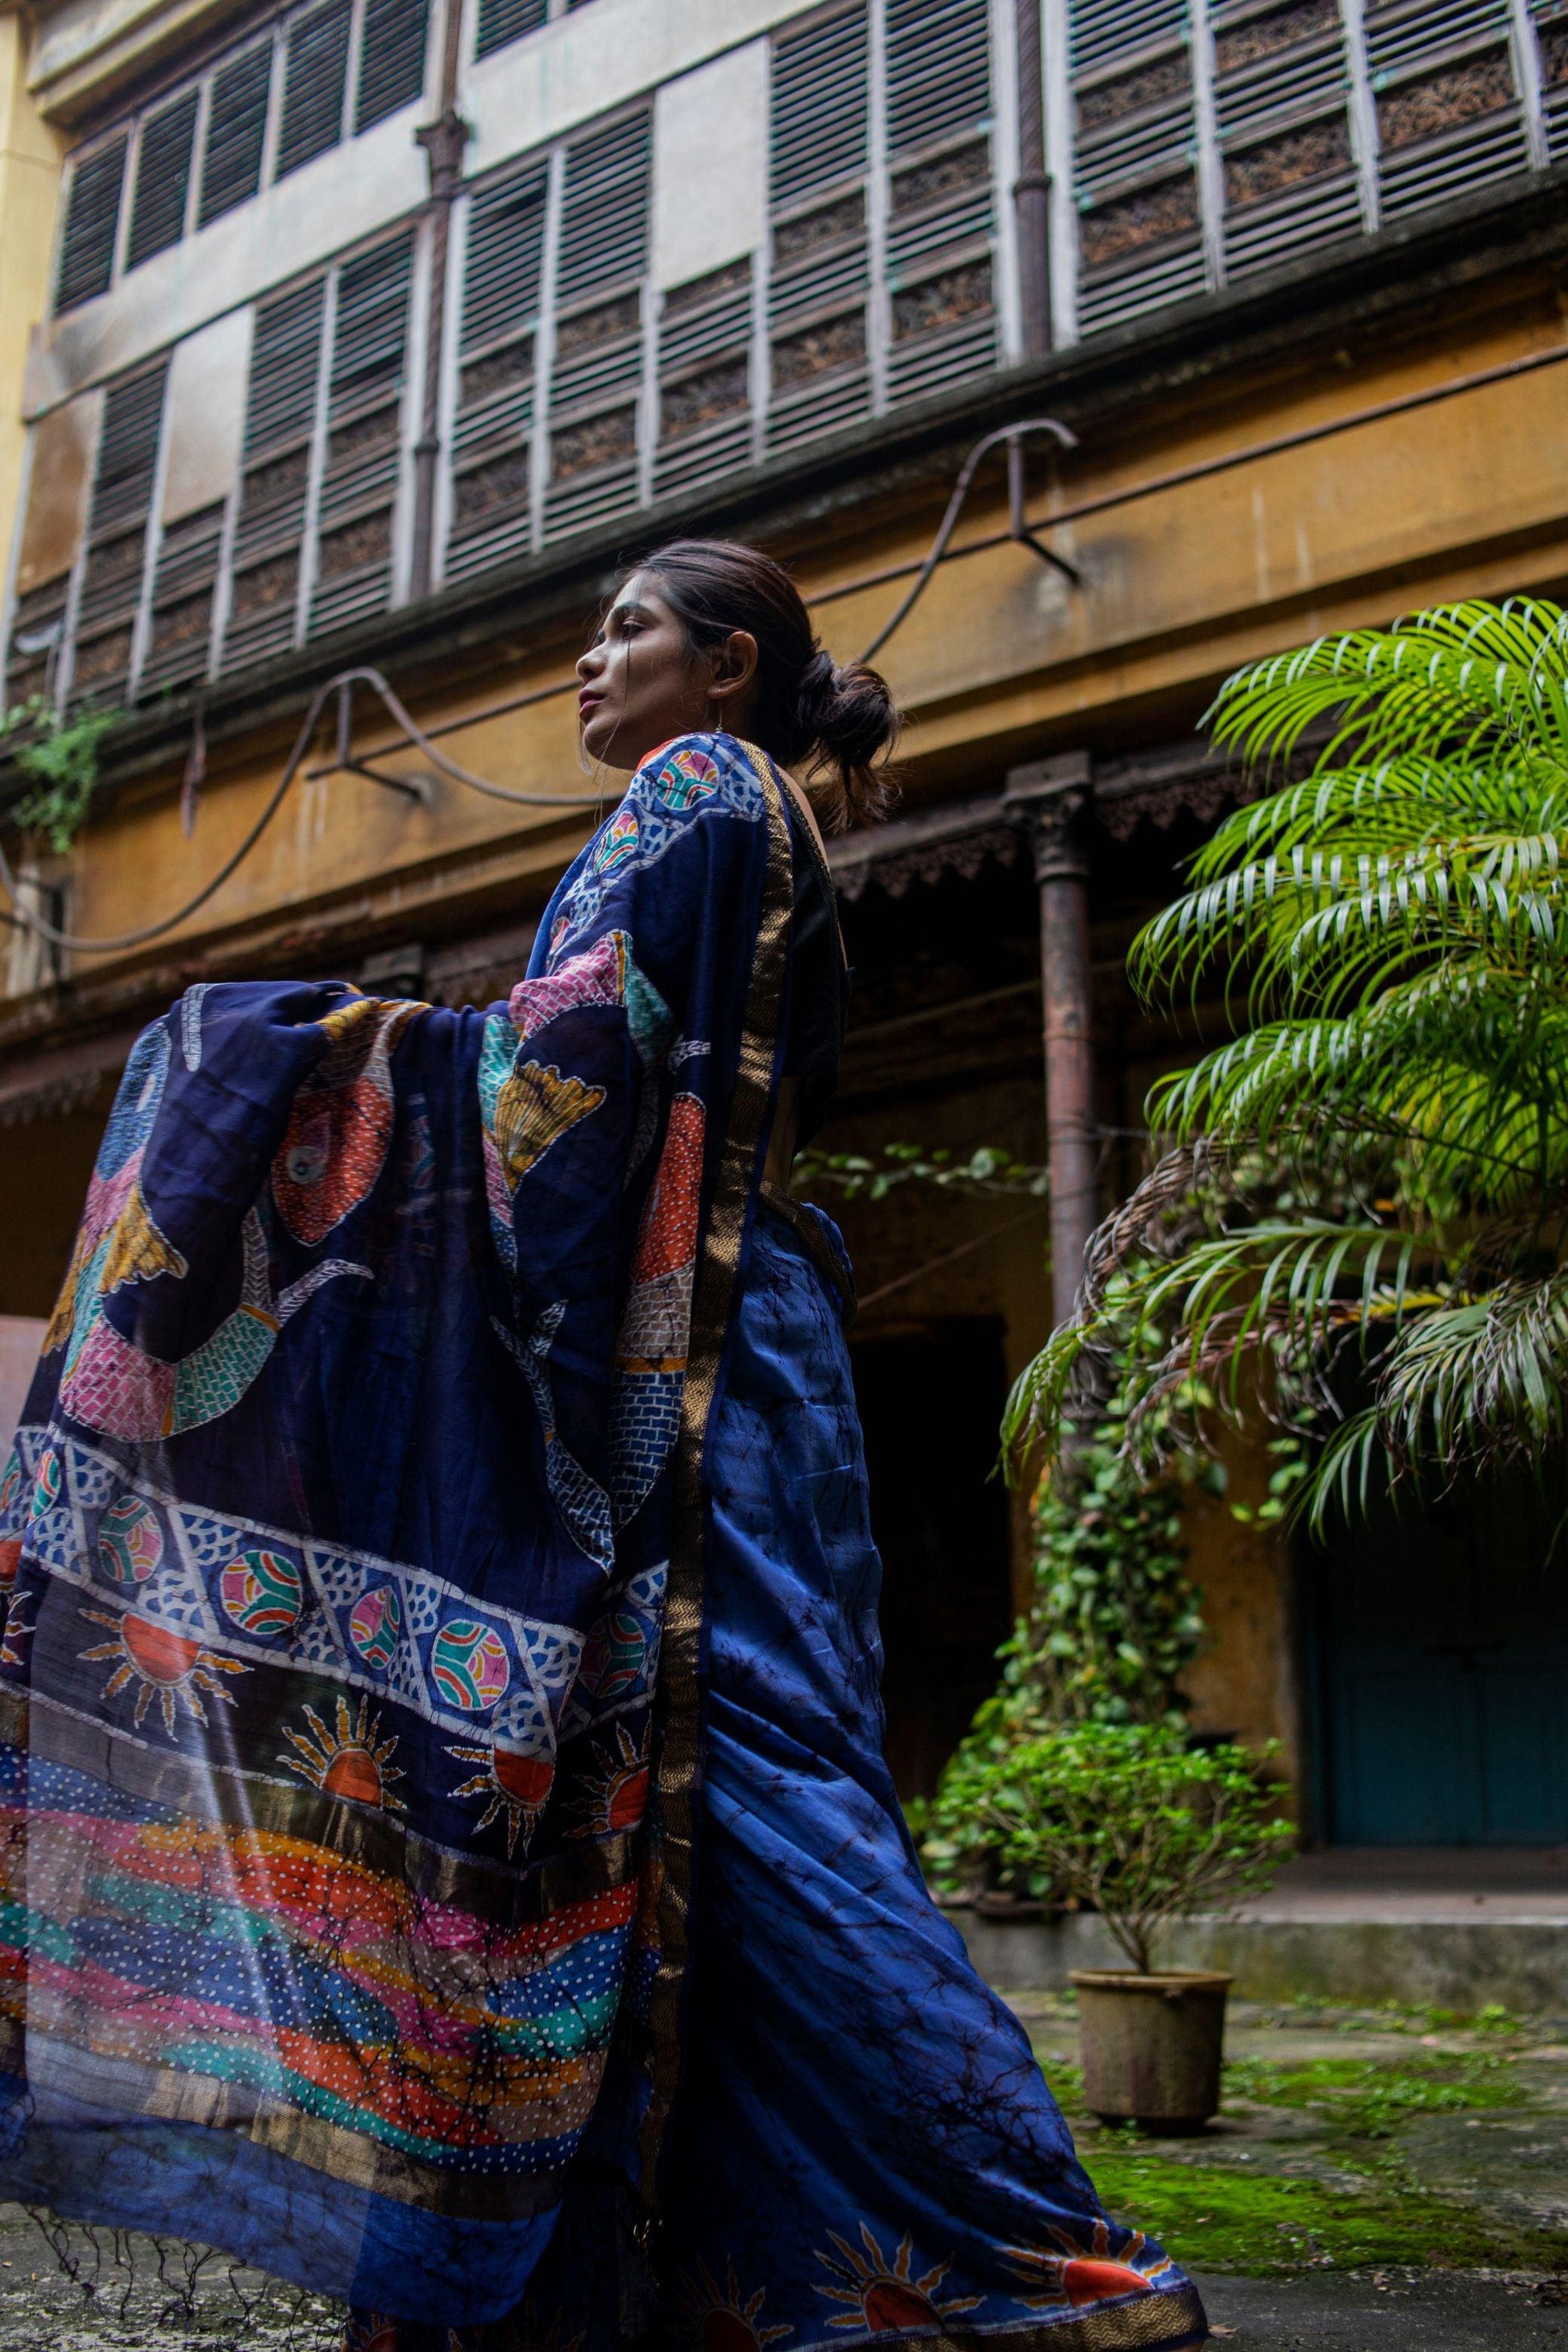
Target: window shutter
(1280, 91)
(92, 223)
(1140, 239)
(392, 59)
(162, 179)
(820, 106)
(280, 427)
(939, 70)
(507, 20)
(940, 205)
(237, 132)
(598, 349)
(492, 472)
(314, 73)
(819, 153)
(358, 479)
(181, 633)
(117, 535)
(1551, 36)
(1448, 117)
(704, 380)
(604, 223)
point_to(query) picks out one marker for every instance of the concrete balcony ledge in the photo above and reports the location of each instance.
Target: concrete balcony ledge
(1445, 1927)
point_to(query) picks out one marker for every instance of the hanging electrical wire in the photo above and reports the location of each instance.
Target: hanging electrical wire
(342, 685)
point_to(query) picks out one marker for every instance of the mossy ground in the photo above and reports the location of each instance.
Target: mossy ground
(1319, 2155)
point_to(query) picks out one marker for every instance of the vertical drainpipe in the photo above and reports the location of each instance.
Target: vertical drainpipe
(442, 141)
(1031, 189)
(1049, 798)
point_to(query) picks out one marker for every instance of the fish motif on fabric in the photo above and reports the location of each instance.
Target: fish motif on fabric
(341, 1121)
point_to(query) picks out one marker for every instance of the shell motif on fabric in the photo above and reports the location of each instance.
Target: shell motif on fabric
(340, 1127)
(535, 1106)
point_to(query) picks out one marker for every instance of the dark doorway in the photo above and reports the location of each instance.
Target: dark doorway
(931, 1405)
(1443, 1651)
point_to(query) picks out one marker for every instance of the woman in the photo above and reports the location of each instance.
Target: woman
(460, 1872)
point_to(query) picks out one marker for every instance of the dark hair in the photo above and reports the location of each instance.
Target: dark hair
(839, 716)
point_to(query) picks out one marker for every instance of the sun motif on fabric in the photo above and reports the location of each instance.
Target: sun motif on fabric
(515, 1786)
(355, 1763)
(1083, 2267)
(168, 1669)
(884, 2296)
(616, 1798)
(535, 1106)
(719, 2317)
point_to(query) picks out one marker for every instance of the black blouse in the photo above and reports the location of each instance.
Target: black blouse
(818, 983)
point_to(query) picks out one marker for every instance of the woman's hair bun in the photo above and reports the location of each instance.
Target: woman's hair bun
(848, 714)
(839, 717)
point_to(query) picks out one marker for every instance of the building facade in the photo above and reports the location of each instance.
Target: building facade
(375, 332)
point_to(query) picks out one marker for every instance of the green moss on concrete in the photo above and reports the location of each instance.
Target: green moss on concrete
(1274, 2196)
(1223, 2219)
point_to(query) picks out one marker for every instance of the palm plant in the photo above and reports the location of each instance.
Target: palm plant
(1376, 1167)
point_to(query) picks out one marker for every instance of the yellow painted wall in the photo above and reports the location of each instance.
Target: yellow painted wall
(1466, 496)
(29, 183)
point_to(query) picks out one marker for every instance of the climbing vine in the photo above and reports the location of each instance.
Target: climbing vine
(58, 754)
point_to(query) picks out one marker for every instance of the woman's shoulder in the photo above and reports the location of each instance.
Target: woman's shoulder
(692, 772)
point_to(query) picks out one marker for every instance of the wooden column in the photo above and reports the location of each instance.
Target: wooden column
(1051, 799)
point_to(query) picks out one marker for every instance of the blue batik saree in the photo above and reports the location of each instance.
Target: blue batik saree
(449, 1858)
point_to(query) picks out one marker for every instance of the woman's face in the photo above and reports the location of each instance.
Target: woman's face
(642, 682)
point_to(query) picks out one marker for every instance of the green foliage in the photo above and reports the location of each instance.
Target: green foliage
(986, 1170)
(1130, 1820)
(1371, 2098)
(1113, 1619)
(1374, 1174)
(59, 754)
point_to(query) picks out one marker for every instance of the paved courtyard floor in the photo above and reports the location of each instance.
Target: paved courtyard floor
(1377, 2180)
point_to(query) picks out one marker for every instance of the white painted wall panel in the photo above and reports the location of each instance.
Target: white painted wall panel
(711, 166)
(204, 425)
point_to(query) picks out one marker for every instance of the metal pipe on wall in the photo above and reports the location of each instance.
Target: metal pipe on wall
(442, 141)
(1051, 798)
(1031, 189)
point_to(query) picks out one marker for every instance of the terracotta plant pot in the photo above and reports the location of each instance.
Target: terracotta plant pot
(1152, 2045)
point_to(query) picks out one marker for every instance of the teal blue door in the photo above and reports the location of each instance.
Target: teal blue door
(1443, 1671)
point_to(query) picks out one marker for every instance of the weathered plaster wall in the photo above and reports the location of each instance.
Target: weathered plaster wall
(29, 182)
(1468, 496)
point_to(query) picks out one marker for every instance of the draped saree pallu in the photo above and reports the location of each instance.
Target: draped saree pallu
(383, 1807)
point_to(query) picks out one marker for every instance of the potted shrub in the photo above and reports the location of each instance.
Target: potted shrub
(1132, 1820)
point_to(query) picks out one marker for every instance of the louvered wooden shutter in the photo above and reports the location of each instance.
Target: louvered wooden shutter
(604, 221)
(1140, 235)
(359, 479)
(820, 270)
(593, 389)
(941, 207)
(492, 436)
(1551, 36)
(392, 59)
(1448, 117)
(704, 380)
(507, 20)
(1281, 92)
(162, 179)
(279, 425)
(92, 225)
(116, 533)
(237, 132)
(180, 633)
(315, 71)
